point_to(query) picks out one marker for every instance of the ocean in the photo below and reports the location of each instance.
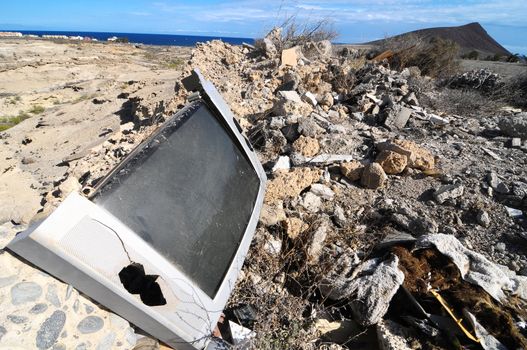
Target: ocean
(147, 39)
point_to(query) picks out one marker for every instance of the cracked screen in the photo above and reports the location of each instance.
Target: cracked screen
(189, 193)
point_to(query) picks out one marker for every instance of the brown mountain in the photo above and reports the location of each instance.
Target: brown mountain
(469, 37)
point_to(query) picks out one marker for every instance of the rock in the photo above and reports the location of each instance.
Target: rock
(294, 227)
(311, 202)
(272, 245)
(290, 57)
(272, 213)
(322, 191)
(107, 342)
(290, 132)
(392, 162)
(306, 146)
(419, 158)
(447, 192)
(285, 107)
(310, 98)
(290, 96)
(516, 142)
(326, 100)
(397, 117)
(290, 184)
(316, 243)
(308, 127)
(502, 188)
(373, 288)
(290, 81)
(90, 324)
(392, 336)
(38, 308)
(17, 319)
(492, 180)
(50, 330)
(339, 216)
(373, 176)
(500, 247)
(25, 292)
(422, 226)
(283, 163)
(514, 126)
(352, 170)
(52, 296)
(411, 99)
(269, 48)
(483, 218)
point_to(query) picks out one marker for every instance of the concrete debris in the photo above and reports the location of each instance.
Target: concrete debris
(272, 213)
(289, 184)
(392, 336)
(514, 125)
(294, 227)
(311, 202)
(372, 288)
(482, 79)
(322, 191)
(308, 127)
(290, 57)
(477, 269)
(397, 117)
(449, 192)
(310, 98)
(283, 163)
(290, 95)
(317, 240)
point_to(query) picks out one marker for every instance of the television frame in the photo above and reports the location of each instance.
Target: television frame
(72, 245)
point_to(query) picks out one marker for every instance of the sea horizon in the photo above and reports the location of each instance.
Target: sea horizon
(140, 38)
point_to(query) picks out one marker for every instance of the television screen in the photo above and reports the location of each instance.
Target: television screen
(189, 194)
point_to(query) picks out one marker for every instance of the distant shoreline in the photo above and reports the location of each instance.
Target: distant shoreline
(133, 38)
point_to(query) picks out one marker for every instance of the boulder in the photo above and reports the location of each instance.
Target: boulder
(392, 162)
(373, 176)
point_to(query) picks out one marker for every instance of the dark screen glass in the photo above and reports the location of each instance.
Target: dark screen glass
(190, 194)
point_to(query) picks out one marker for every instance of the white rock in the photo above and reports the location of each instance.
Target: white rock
(283, 163)
(322, 191)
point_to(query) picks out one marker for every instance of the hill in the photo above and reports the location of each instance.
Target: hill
(469, 37)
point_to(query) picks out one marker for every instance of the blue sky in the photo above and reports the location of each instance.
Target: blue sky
(356, 21)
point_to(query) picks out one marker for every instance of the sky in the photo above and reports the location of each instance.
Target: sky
(356, 21)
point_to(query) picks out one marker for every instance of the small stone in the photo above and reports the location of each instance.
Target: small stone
(290, 96)
(308, 127)
(90, 324)
(373, 176)
(25, 292)
(502, 188)
(89, 309)
(272, 245)
(272, 213)
(283, 163)
(448, 192)
(493, 180)
(392, 162)
(17, 319)
(322, 191)
(307, 146)
(311, 202)
(107, 342)
(76, 305)
(339, 216)
(50, 329)
(290, 57)
(352, 170)
(516, 142)
(294, 227)
(310, 98)
(483, 218)
(52, 295)
(69, 290)
(317, 242)
(38, 309)
(500, 247)
(397, 117)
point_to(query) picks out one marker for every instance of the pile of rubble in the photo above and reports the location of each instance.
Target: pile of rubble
(478, 79)
(359, 171)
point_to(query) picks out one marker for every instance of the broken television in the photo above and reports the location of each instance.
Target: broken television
(162, 238)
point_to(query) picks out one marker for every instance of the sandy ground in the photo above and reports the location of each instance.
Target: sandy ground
(74, 95)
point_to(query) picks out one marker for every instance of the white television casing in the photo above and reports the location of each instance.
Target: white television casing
(82, 244)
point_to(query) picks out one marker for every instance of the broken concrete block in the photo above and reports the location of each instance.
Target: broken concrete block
(516, 142)
(290, 57)
(373, 176)
(447, 192)
(418, 157)
(285, 107)
(392, 162)
(310, 98)
(269, 48)
(289, 184)
(397, 117)
(322, 191)
(318, 237)
(290, 95)
(352, 170)
(308, 127)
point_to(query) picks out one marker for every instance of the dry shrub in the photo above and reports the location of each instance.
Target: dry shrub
(295, 32)
(435, 57)
(461, 102)
(514, 92)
